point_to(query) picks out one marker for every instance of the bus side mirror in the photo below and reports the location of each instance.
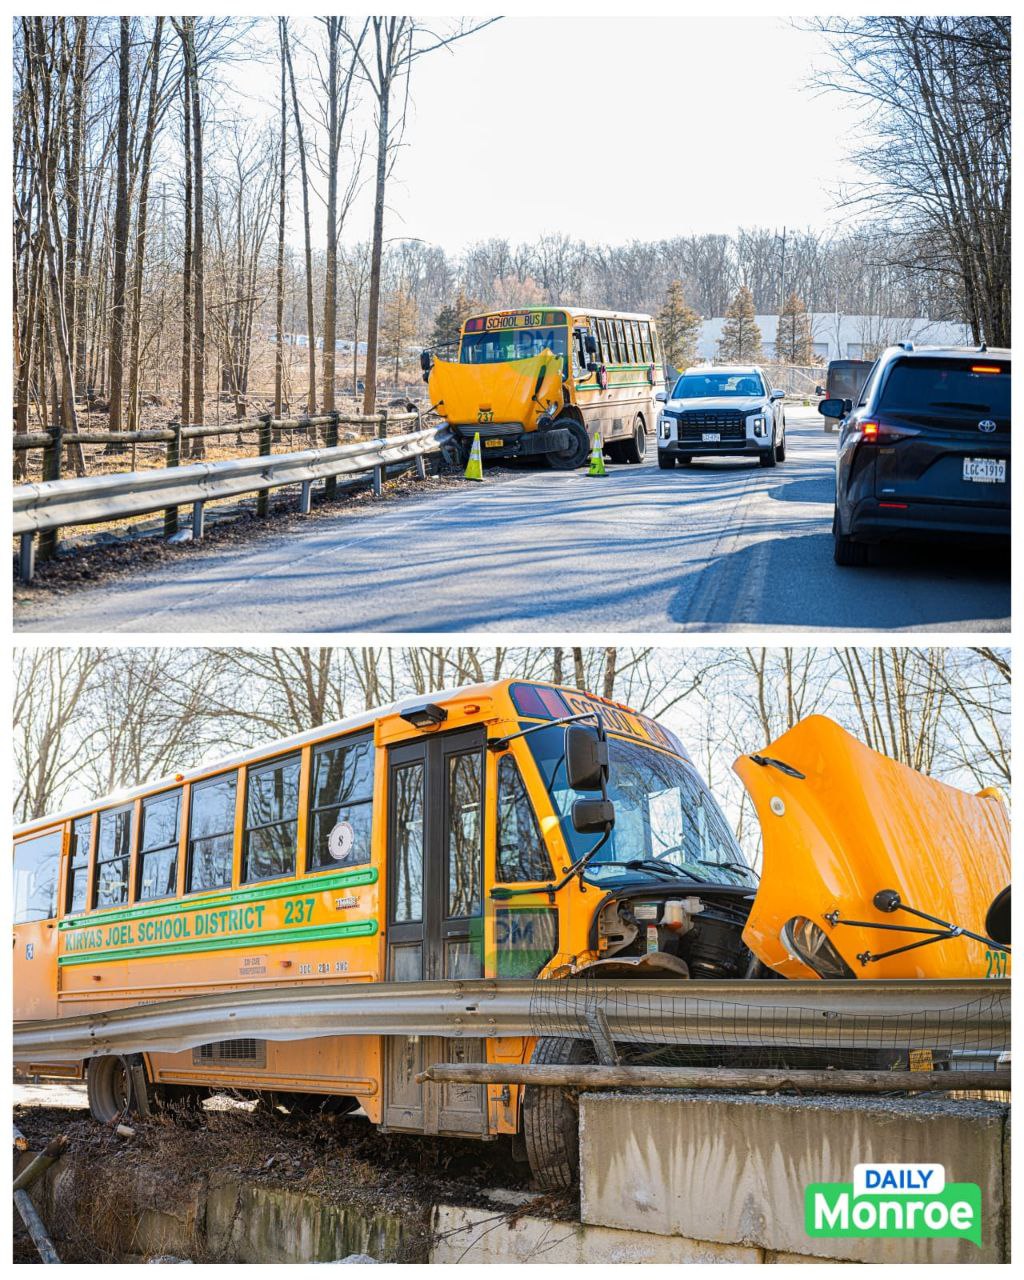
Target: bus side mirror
(426, 361)
(590, 344)
(819, 391)
(589, 817)
(586, 758)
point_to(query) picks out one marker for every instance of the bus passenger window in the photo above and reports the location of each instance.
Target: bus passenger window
(465, 836)
(113, 850)
(271, 820)
(36, 865)
(645, 338)
(78, 865)
(521, 851)
(211, 833)
(341, 804)
(408, 819)
(158, 846)
(604, 353)
(620, 342)
(627, 329)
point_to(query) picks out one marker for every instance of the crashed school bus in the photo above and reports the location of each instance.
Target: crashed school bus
(543, 381)
(507, 830)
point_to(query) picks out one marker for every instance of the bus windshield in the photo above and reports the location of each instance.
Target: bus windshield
(695, 386)
(663, 814)
(513, 344)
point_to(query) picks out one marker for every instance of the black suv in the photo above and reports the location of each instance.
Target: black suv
(925, 452)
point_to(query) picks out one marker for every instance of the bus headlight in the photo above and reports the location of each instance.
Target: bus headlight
(759, 426)
(808, 942)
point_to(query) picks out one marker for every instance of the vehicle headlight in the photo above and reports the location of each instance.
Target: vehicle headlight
(665, 427)
(759, 428)
(808, 942)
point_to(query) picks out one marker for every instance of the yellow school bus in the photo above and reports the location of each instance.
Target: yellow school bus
(506, 830)
(546, 380)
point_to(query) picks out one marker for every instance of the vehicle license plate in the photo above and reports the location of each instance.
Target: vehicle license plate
(985, 470)
(711, 437)
(493, 444)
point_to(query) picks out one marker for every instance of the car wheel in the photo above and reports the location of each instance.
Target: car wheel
(578, 451)
(635, 449)
(769, 457)
(850, 554)
(780, 450)
(667, 461)
(683, 459)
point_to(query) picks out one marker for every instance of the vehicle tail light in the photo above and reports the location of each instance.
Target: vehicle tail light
(869, 430)
(986, 368)
(894, 506)
(880, 433)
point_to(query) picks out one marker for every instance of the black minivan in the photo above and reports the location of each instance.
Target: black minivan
(925, 451)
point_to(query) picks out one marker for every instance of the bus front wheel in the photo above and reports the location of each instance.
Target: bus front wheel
(551, 1126)
(109, 1088)
(578, 450)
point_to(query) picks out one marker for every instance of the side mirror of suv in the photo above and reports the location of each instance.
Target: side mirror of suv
(777, 394)
(835, 408)
(661, 397)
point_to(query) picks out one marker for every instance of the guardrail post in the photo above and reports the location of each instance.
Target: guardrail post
(421, 462)
(198, 521)
(49, 539)
(306, 498)
(173, 460)
(27, 557)
(378, 472)
(266, 448)
(331, 440)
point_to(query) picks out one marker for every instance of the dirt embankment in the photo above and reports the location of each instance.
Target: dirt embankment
(109, 1182)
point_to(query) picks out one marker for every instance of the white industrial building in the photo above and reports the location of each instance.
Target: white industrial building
(838, 337)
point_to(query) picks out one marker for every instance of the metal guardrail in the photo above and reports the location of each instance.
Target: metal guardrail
(928, 1014)
(95, 499)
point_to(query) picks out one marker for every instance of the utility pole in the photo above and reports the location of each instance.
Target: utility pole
(782, 274)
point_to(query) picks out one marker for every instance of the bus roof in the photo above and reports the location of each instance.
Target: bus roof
(573, 310)
(280, 746)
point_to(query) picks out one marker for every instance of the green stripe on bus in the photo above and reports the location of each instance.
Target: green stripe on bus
(253, 941)
(229, 898)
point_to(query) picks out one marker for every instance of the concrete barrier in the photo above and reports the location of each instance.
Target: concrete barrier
(732, 1169)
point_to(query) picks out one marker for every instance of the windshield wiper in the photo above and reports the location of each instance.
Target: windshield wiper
(736, 866)
(652, 864)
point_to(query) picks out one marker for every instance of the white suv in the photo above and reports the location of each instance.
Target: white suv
(723, 410)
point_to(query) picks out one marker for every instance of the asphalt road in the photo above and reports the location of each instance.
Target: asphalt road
(717, 546)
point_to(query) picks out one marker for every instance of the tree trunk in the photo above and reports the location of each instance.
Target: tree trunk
(377, 248)
(198, 264)
(282, 184)
(186, 269)
(121, 221)
(310, 321)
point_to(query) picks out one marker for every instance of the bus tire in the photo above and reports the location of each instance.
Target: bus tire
(551, 1127)
(109, 1089)
(635, 449)
(578, 451)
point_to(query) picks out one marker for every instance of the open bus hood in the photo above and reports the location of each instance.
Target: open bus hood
(857, 823)
(504, 392)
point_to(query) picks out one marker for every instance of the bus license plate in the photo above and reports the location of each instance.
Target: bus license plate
(712, 437)
(985, 470)
(493, 444)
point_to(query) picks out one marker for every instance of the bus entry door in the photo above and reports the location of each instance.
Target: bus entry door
(435, 917)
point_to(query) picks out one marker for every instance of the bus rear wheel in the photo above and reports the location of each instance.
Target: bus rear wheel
(109, 1089)
(578, 451)
(635, 449)
(551, 1125)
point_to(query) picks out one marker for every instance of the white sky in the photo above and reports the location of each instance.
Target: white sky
(608, 129)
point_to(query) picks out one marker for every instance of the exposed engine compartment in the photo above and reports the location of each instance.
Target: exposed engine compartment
(665, 931)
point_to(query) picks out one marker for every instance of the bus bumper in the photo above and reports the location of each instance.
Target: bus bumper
(509, 440)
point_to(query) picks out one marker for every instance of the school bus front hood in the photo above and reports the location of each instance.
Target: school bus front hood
(510, 391)
(857, 823)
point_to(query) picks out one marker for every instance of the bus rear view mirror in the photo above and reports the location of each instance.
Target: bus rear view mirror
(426, 360)
(591, 817)
(586, 758)
(590, 344)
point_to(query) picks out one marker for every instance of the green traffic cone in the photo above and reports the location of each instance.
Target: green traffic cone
(475, 466)
(597, 467)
